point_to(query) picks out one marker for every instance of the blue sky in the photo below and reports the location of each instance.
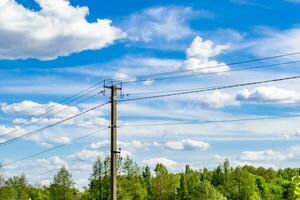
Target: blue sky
(51, 49)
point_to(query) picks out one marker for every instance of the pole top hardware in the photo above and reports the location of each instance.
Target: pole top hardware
(111, 85)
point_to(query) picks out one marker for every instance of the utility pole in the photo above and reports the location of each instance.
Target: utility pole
(113, 147)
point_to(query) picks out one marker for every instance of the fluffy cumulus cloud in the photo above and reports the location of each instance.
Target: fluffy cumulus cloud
(186, 145)
(200, 56)
(266, 155)
(218, 99)
(28, 107)
(47, 114)
(54, 162)
(52, 112)
(182, 145)
(57, 29)
(292, 154)
(14, 131)
(268, 94)
(39, 171)
(126, 147)
(86, 155)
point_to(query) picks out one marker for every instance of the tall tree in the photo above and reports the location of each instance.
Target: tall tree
(183, 192)
(130, 184)
(165, 185)
(97, 182)
(16, 187)
(147, 180)
(62, 187)
(296, 181)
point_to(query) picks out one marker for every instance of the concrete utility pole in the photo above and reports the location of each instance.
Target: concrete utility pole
(113, 153)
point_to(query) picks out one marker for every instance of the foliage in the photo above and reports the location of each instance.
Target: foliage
(296, 181)
(62, 186)
(136, 183)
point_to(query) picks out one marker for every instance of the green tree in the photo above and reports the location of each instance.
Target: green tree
(165, 185)
(97, 181)
(183, 192)
(16, 187)
(296, 181)
(146, 174)
(131, 183)
(244, 185)
(205, 191)
(62, 187)
(36, 193)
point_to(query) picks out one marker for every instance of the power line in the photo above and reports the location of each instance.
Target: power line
(198, 90)
(212, 121)
(49, 126)
(52, 108)
(212, 73)
(59, 111)
(156, 124)
(55, 147)
(133, 78)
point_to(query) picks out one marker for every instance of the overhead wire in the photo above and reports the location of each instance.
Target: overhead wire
(41, 119)
(49, 126)
(169, 93)
(52, 108)
(212, 121)
(198, 90)
(134, 78)
(55, 147)
(212, 73)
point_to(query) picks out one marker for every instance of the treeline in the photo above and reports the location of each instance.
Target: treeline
(136, 183)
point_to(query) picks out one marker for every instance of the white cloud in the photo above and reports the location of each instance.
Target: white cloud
(122, 76)
(61, 140)
(148, 82)
(297, 134)
(168, 23)
(268, 94)
(54, 112)
(170, 164)
(86, 155)
(292, 154)
(57, 29)
(99, 145)
(276, 42)
(11, 131)
(200, 54)
(125, 146)
(62, 134)
(186, 145)
(54, 162)
(217, 99)
(267, 155)
(25, 107)
(219, 158)
(32, 108)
